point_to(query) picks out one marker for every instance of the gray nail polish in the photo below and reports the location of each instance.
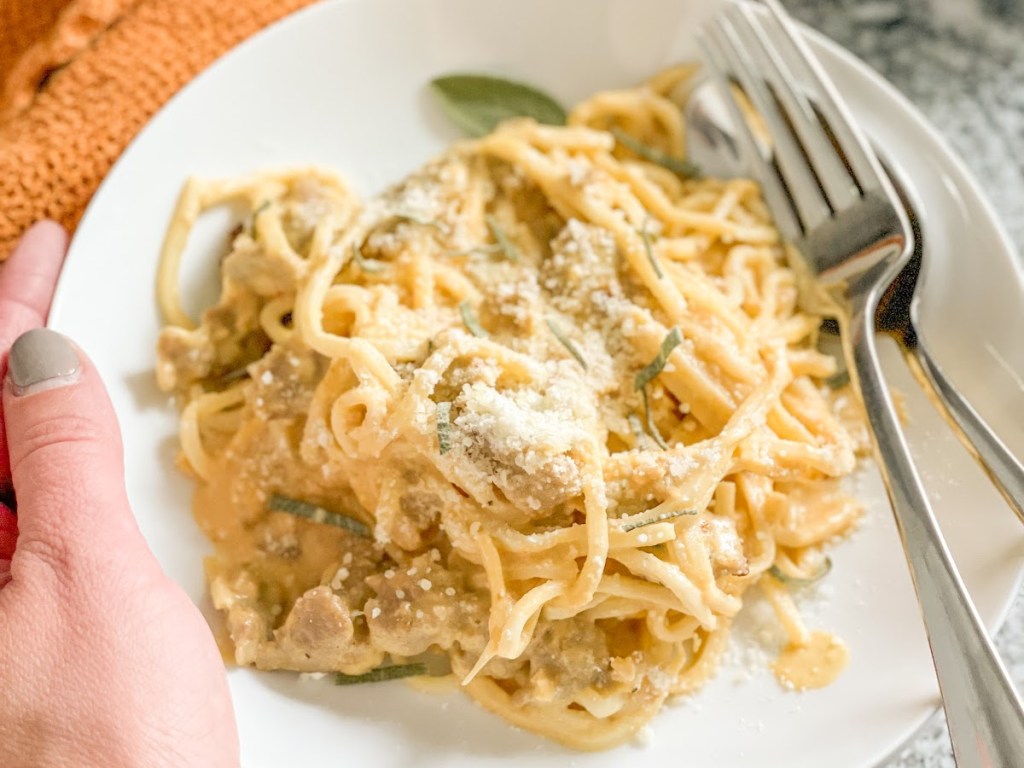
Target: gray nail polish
(42, 359)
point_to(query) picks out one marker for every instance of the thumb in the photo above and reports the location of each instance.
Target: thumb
(67, 463)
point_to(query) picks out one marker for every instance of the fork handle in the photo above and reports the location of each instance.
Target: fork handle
(983, 711)
(1001, 466)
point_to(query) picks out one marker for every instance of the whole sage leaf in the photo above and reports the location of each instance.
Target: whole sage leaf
(477, 103)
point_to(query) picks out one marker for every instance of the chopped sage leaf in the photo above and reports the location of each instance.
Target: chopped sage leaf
(444, 427)
(382, 674)
(230, 377)
(501, 239)
(677, 165)
(645, 235)
(478, 103)
(650, 371)
(318, 514)
(566, 342)
(470, 319)
(482, 249)
(652, 428)
(822, 572)
(403, 214)
(636, 426)
(367, 265)
(640, 521)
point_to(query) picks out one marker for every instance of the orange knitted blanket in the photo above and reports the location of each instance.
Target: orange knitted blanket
(78, 80)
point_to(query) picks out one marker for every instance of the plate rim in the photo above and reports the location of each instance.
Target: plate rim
(964, 179)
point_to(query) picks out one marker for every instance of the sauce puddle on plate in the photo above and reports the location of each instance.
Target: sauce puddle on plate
(811, 664)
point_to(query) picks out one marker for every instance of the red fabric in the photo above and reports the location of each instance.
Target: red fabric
(8, 532)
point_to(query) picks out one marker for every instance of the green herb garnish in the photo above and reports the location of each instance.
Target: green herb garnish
(230, 377)
(659, 518)
(566, 342)
(382, 674)
(501, 243)
(367, 265)
(649, 248)
(636, 426)
(478, 103)
(482, 249)
(677, 165)
(825, 569)
(318, 514)
(652, 428)
(444, 427)
(403, 214)
(650, 371)
(470, 319)
(501, 239)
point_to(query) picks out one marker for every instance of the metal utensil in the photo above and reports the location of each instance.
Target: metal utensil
(712, 145)
(897, 315)
(831, 198)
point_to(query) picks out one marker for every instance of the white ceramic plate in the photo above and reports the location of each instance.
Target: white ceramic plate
(343, 84)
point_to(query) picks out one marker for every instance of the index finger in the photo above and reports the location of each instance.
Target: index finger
(27, 281)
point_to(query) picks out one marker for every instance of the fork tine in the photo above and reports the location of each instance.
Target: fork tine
(835, 179)
(764, 170)
(861, 159)
(803, 188)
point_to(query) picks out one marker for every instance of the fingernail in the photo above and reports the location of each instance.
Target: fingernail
(42, 359)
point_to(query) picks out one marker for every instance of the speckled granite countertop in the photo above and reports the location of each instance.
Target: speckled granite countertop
(962, 63)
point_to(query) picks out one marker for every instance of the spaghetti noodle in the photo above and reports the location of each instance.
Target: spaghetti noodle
(570, 394)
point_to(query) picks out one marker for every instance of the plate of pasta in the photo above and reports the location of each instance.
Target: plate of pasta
(488, 430)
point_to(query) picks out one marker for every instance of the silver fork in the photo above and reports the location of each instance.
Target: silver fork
(833, 202)
(712, 145)
(897, 316)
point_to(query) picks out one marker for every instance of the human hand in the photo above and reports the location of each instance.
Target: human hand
(106, 662)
